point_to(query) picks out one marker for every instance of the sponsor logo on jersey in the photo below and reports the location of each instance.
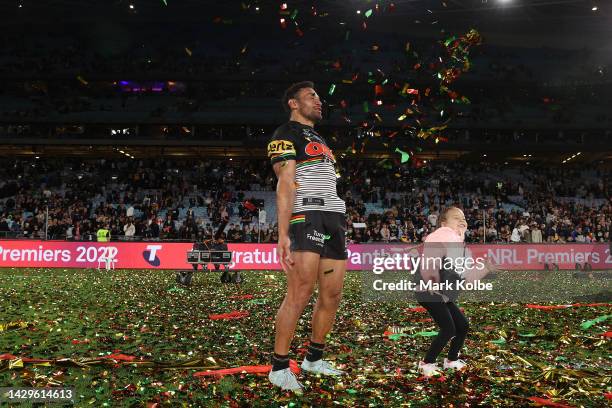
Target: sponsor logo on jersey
(280, 147)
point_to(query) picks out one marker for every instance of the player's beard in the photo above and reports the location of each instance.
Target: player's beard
(315, 116)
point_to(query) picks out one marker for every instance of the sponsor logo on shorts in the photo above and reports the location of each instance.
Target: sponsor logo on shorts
(318, 237)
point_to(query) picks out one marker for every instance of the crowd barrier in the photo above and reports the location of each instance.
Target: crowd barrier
(172, 255)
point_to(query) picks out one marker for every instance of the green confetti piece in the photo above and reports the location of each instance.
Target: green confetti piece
(590, 323)
(405, 156)
(368, 13)
(351, 391)
(294, 14)
(366, 107)
(332, 88)
(396, 336)
(426, 334)
(449, 41)
(175, 289)
(347, 35)
(527, 334)
(499, 341)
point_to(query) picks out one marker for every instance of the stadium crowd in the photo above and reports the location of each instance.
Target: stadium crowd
(195, 200)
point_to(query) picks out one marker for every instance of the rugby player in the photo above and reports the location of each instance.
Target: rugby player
(312, 232)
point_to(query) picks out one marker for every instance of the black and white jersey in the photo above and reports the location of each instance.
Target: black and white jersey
(315, 174)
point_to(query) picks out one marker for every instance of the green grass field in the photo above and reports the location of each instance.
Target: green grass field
(76, 318)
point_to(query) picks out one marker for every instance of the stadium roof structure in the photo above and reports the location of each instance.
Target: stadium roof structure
(551, 22)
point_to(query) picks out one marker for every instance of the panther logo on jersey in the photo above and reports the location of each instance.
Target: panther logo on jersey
(319, 149)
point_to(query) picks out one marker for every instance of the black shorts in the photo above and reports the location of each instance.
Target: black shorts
(323, 232)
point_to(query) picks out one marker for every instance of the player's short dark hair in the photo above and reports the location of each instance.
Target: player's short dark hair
(292, 92)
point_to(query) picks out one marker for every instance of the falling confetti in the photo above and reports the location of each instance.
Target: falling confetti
(405, 156)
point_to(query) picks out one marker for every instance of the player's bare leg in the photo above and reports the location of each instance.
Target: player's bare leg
(331, 281)
(301, 278)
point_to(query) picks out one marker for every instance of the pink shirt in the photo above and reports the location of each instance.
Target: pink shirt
(444, 234)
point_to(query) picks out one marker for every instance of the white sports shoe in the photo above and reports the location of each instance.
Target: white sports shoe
(320, 367)
(456, 365)
(286, 380)
(429, 369)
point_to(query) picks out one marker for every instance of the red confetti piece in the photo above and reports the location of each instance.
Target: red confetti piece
(7, 356)
(545, 402)
(120, 357)
(553, 307)
(231, 315)
(416, 309)
(378, 90)
(438, 379)
(546, 307)
(607, 334)
(242, 297)
(608, 395)
(254, 369)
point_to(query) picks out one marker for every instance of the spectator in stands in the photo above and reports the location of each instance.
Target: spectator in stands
(129, 229)
(515, 238)
(536, 234)
(385, 234)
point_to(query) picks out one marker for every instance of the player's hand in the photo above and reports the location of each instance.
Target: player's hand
(284, 253)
